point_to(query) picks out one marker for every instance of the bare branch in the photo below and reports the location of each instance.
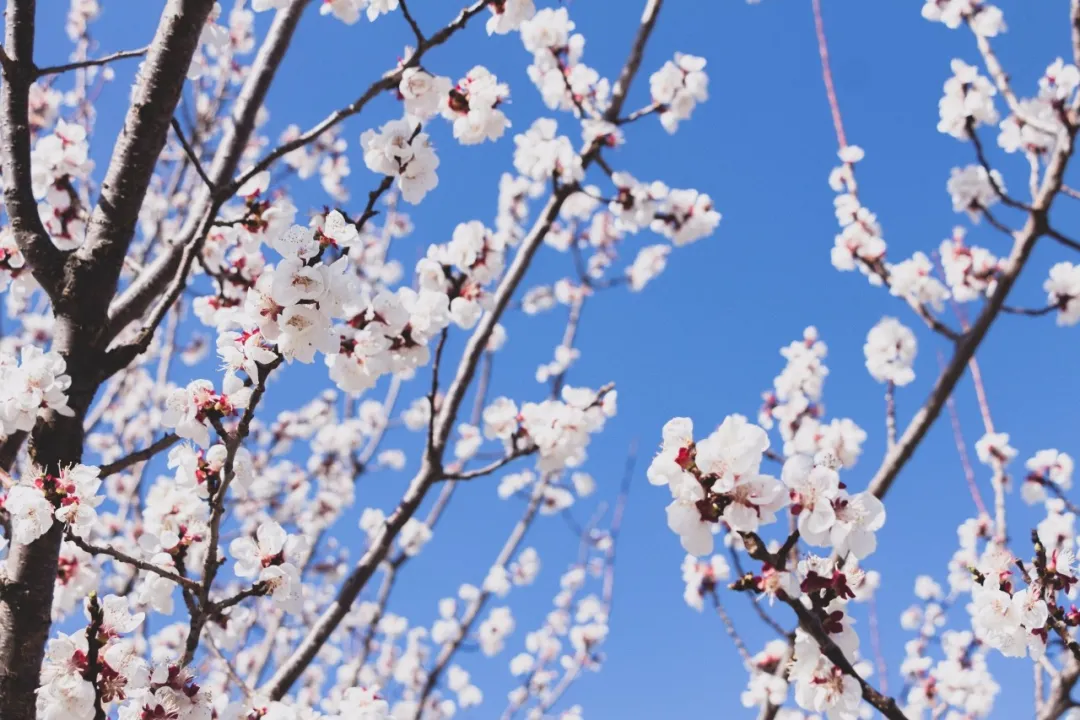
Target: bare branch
(133, 561)
(190, 152)
(420, 39)
(980, 154)
(45, 261)
(638, 114)
(961, 449)
(492, 467)
(122, 55)
(827, 77)
(997, 223)
(1066, 241)
(163, 443)
(729, 627)
(1031, 312)
(111, 226)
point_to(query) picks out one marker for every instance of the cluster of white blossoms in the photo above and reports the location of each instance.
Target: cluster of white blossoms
(914, 281)
(34, 383)
(269, 559)
(860, 243)
(1014, 624)
(717, 484)
(890, 352)
(125, 679)
(508, 15)
(960, 681)
(400, 150)
(564, 82)
(993, 449)
(826, 587)
(766, 685)
(188, 410)
(968, 101)
(702, 577)
(471, 106)
(829, 516)
(1034, 126)
(570, 637)
(716, 479)
(15, 279)
(540, 154)
(678, 87)
(60, 167)
(795, 405)
(985, 19)
(463, 270)
(557, 430)
(70, 498)
(347, 11)
(973, 189)
(1063, 292)
(682, 216)
(1047, 468)
(970, 271)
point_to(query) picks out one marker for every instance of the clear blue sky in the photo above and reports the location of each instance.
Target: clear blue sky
(702, 340)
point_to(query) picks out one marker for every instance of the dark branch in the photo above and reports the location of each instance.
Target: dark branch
(190, 152)
(133, 561)
(122, 55)
(139, 456)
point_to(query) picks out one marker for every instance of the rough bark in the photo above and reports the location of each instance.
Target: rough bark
(81, 285)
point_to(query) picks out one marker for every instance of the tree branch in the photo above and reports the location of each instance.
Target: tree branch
(156, 278)
(112, 224)
(807, 621)
(292, 667)
(122, 55)
(190, 152)
(45, 260)
(420, 39)
(490, 468)
(389, 81)
(163, 443)
(130, 560)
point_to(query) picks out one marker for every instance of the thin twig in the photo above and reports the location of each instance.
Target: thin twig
(1030, 312)
(420, 39)
(133, 561)
(729, 627)
(890, 414)
(162, 443)
(961, 450)
(121, 55)
(190, 152)
(1066, 241)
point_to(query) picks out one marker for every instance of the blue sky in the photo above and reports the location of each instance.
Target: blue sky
(702, 340)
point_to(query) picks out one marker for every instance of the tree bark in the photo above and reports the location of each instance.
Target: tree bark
(81, 285)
